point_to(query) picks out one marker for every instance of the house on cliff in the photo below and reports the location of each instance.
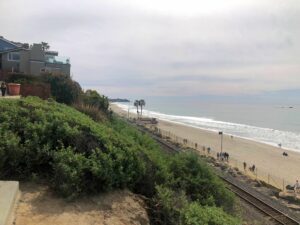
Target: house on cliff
(33, 59)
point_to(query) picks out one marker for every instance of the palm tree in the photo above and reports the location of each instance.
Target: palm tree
(45, 46)
(142, 103)
(136, 104)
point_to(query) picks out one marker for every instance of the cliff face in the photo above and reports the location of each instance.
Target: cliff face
(38, 205)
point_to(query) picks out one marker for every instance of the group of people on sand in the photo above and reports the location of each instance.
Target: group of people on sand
(251, 168)
(284, 153)
(207, 148)
(223, 156)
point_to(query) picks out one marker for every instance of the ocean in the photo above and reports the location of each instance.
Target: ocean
(269, 123)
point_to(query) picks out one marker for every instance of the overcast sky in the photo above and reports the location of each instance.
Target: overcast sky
(127, 48)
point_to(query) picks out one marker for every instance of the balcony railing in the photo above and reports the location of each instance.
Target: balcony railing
(58, 60)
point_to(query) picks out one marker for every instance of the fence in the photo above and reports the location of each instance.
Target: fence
(257, 174)
(41, 90)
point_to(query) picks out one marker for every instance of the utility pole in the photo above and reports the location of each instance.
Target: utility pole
(221, 133)
(128, 113)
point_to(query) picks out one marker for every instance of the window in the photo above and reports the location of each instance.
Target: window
(14, 56)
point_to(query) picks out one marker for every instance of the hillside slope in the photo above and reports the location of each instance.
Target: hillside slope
(79, 157)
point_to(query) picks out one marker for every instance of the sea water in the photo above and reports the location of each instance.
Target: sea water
(269, 123)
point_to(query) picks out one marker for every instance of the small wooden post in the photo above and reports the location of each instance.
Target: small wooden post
(256, 174)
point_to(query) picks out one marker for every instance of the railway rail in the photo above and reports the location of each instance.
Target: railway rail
(276, 215)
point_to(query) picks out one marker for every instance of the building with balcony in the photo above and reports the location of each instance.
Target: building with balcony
(34, 59)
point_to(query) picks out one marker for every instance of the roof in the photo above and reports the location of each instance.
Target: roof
(12, 50)
(53, 53)
(7, 46)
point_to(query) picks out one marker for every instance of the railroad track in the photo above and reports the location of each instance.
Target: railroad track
(276, 215)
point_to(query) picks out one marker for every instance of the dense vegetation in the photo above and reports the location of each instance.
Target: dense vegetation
(94, 105)
(76, 155)
(65, 90)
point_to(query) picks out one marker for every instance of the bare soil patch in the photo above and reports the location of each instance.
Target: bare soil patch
(38, 205)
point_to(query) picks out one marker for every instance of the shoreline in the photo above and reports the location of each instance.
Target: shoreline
(270, 143)
(268, 159)
(234, 135)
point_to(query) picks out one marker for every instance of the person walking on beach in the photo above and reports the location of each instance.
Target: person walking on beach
(208, 150)
(218, 155)
(253, 168)
(3, 89)
(297, 186)
(227, 156)
(245, 166)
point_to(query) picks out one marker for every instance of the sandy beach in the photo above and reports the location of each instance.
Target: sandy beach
(271, 165)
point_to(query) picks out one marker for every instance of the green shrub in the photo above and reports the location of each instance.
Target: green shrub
(23, 78)
(154, 159)
(91, 111)
(11, 156)
(63, 88)
(176, 208)
(93, 98)
(170, 205)
(192, 175)
(68, 172)
(195, 214)
(37, 136)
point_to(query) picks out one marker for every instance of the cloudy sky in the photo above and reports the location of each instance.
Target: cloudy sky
(126, 48)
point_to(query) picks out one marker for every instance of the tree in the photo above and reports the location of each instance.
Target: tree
(45, 46)
(63, 88)
(136, 104)
(142, 103)
(93, 98)
(25, 45)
